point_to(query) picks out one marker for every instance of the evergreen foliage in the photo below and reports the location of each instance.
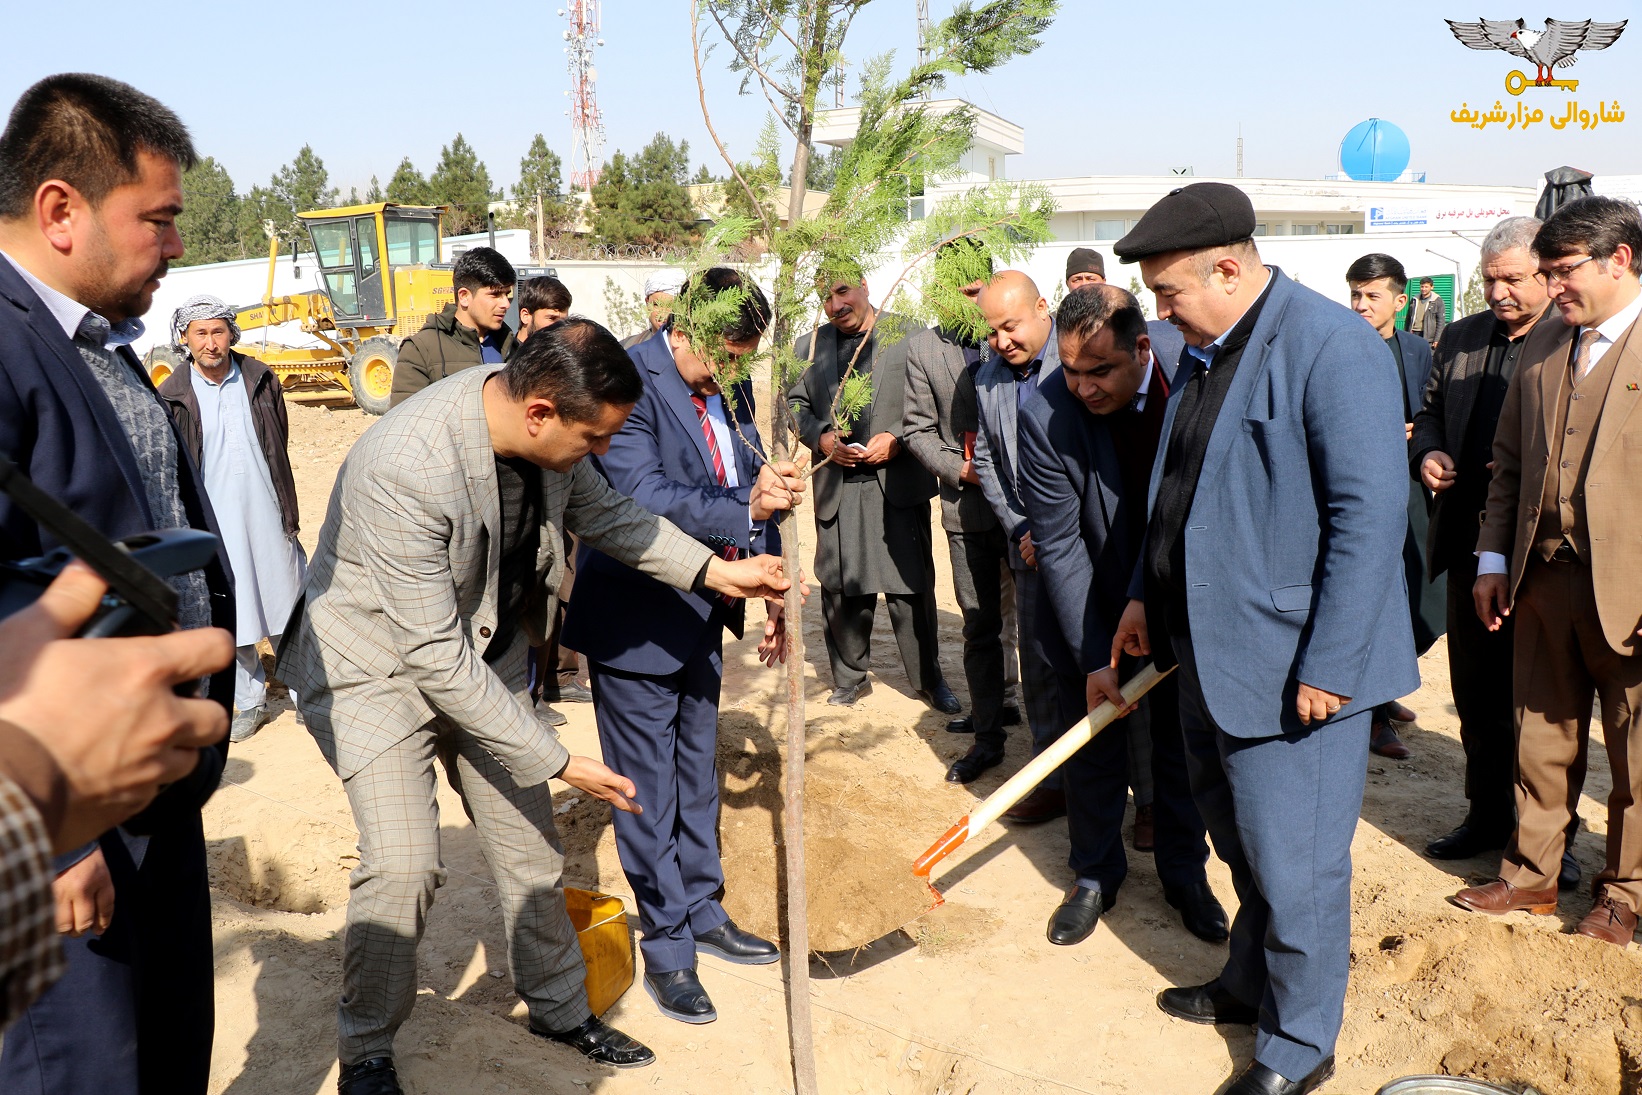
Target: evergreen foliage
(461, 181)
(209, 222)
(408, 186)
(641, 199)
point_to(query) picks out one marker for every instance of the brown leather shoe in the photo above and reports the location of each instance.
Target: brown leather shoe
(1383, 741)
(1609, 921)
(1499, 897)
(1145, 829)
(1043, 804)
(1400, 712)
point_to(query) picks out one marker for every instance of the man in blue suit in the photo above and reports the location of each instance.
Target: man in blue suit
(90, 188)
(654, 653)
(1086, 449)
(1271, 574)
(1379, 290)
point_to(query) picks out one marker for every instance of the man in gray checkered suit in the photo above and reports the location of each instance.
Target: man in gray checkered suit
(436, 568)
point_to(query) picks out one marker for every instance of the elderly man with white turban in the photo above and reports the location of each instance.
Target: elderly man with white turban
(659, 290)
(230, 411)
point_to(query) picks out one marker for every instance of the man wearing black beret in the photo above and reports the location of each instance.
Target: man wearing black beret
(1272, 577)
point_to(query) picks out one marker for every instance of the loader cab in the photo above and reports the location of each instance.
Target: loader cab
(356, 249)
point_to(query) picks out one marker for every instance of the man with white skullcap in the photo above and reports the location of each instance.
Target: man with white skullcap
(659, 290)
(230, 412)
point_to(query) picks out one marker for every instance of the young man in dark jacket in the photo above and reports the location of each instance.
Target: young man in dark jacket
(470, 332)
(219, 402)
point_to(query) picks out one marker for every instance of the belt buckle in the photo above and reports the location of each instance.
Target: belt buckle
(1565, 553)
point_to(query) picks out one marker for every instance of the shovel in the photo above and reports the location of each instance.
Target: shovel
(1021, 783)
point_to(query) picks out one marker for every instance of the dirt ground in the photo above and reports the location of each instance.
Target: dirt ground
(968, 1000)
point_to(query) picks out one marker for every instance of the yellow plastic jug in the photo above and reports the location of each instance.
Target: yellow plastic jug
(607, 945)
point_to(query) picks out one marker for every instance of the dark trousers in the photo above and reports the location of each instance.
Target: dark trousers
(133, 1014)
(1282, 811)
(1479, 671)
(849, 635)
(556, 665)
(977, 580)
(661, 732)
(1096, 779)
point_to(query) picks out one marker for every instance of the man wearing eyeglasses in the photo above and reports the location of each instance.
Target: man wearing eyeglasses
(1452, 454)
(1560, 547)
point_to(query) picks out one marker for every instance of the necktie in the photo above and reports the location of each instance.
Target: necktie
(727, 551)
(712, 437)
(1582, 360)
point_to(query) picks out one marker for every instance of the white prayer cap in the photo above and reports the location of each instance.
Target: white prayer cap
(668, 281)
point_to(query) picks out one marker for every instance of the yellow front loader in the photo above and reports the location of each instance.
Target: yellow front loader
(382, 275)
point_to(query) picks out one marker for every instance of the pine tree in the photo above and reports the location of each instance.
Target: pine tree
(461, 181)
(641, 199)
(541, 173)
(209, 221)
(374, 192)
(409, 186)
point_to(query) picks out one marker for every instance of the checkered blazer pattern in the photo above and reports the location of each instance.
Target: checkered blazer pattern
(401, 595)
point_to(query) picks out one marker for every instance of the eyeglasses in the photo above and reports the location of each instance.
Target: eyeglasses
(1554, 277)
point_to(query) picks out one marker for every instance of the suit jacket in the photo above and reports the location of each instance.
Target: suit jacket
(940, 409)
(1443, 419)
(997, 453)
(1521, 462)
(904, 480)
(1294, 540)
(1072, 485)
(626, 619)
(401, 596)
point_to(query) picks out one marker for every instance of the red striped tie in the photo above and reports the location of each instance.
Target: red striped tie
(712, 437)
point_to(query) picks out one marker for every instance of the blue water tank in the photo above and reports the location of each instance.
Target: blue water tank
(1374, 151)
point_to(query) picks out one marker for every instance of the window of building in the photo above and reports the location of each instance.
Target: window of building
(1342, 229)
(1261, 230)
(1111, 229)
(1308, 230)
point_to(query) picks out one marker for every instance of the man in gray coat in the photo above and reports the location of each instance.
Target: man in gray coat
(1427, 313)
(436, 569)
(871, 499)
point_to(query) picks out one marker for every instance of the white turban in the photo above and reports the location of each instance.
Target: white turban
(668, 281)
(203, 306)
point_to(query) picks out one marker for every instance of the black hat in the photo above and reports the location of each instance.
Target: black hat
(1084, 260)
(1190, 217)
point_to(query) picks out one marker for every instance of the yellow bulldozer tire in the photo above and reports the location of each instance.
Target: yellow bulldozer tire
(161, 362)
(370, 373)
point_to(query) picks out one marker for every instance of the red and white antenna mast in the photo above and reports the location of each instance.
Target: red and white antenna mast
(586, 124)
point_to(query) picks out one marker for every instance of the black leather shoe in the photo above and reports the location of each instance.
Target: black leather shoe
(1466, 841)
(1200, 911)
(979, 758)
(679, 995)
(964, 725)
(1257, 1079)
(1078, 913)
(1208, 1003)
(602, 1043)
(374, 1076)
(847, 695)
(1568, 877)
(734, 945)
(942, 698)
(1009, 716)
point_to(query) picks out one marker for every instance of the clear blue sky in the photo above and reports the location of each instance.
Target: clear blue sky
(1117, 88)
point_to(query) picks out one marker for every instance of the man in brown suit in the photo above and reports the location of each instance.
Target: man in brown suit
(1561, 509)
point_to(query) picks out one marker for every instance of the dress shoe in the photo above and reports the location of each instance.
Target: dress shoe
(734, 945)
(1075, 918)
(846, 695)
(1208, 1003)
(941, 698)
(574, 692)
(1145, 837)
(1043, 804)
(1499, 896)
(973, 763)
(1383, 741)
(246, 723)
(549, 717)
(1466, 841)
(1200, 911)
(370, 1077)
(602, 1043)
(1398, 712)
(1010, 715)
(962, 725)
(1257, 1079)
(1568, 877)
(679, 995)
(1609, 921)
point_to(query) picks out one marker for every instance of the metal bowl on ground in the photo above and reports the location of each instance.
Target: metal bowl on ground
(1442, 1085)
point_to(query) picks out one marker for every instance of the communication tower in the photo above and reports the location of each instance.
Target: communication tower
(586, 124)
